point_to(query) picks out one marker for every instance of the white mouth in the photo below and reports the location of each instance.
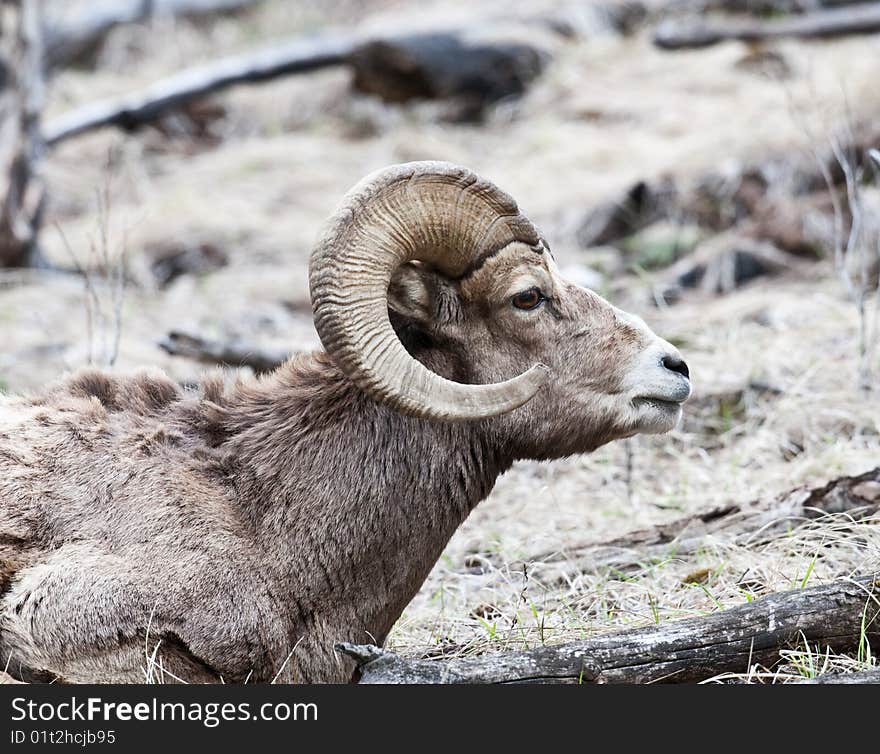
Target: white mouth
(661, 404)
(656, 415)
(656, 386)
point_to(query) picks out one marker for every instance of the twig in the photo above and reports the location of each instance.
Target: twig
(111, 270)
(137, 108)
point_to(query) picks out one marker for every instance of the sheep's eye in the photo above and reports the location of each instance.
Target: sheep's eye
(530, 299)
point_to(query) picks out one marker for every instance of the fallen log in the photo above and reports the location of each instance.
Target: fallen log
(861, 677)
(428, 66)
(752, 524)
(72, 37)
(672, 35)
(757, 7)
(232, 354)
(828, 616)
(138, 108)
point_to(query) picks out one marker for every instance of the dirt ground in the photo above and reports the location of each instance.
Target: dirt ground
(608, 110)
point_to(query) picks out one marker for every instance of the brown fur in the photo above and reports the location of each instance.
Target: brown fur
(247, 528)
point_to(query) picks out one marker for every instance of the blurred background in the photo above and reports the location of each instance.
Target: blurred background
(711, 165)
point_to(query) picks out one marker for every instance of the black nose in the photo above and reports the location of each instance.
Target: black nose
(675, 364)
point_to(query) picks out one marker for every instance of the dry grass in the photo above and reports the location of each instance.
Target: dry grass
(605, 114)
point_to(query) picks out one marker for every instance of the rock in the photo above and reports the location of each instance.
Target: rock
(642, 204)
(444, 66)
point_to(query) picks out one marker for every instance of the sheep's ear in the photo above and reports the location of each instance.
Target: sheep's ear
(422, 296)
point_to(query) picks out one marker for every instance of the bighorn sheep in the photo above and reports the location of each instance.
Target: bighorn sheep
(246, 528)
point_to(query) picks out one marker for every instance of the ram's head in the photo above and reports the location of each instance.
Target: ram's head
(438, 298)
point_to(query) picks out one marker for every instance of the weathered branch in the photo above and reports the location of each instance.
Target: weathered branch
(430, 66)
(760, 521)
(228, 354)
(733, 640)
(760, 7)
(71, 38)
(138, 108)
(862, 677)
(825, 23)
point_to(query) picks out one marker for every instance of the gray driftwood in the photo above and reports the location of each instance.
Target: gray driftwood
(426, 66)
(757, 7)
(859, 19)
(233, 354)
(863, 677)
(733, 640)
(145, 106)
(750, 524)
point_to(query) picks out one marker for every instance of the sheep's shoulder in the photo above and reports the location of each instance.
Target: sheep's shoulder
(144, 392)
